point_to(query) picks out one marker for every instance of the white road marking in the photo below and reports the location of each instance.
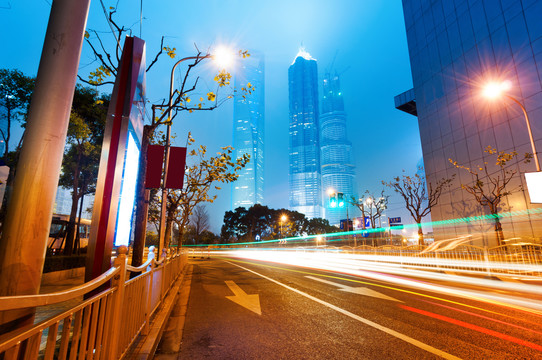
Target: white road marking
(355, 289)
(389, 331)
(251, 302)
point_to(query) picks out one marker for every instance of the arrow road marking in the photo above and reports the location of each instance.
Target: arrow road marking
(355, 290)
(251, 302)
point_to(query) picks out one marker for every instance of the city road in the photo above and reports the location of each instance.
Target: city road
(246, 309)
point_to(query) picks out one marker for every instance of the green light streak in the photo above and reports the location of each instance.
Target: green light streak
(441, 223)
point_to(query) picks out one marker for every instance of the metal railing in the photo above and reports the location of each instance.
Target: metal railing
(101, 327)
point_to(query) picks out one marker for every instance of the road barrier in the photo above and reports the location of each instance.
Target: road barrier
(101, 327)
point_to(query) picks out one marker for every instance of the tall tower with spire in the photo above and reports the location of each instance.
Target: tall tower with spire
(304, 176)
(338, 170)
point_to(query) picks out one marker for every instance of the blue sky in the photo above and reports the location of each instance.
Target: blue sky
(366, 38)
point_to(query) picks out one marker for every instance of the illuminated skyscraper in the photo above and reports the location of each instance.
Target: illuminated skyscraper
(336, 151)
(248, 132)
(304, 144)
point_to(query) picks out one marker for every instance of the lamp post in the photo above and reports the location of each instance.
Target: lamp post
(224, 57)
(283, 219)
(493, 90)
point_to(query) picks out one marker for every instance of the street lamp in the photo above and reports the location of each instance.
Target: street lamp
(223, 58)
(494, 90)
(283, 219)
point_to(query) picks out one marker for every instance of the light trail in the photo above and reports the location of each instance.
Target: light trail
(327, 263)
(474, 327)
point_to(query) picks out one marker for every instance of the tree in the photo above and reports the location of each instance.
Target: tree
(15, 94)
(371, 206)
(200, 178)
(418, 199)
(490, 187)
(200, 220)
(316, 226)
(180, 101)
(81, 159)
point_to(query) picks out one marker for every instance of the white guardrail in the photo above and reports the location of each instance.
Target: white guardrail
(101, 327)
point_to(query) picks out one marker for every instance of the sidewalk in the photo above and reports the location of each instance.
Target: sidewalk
(45, 312)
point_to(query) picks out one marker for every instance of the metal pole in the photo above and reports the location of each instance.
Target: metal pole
(28, 218)
(535, 155)
(163, 207)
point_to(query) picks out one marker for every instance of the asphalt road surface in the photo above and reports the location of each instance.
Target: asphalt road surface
(242, 309)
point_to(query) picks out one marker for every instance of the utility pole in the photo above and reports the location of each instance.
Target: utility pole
(30, 209)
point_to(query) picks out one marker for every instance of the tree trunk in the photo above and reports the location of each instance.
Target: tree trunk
(70, 231)
(498, 231)
(421, 242)
(142, 199)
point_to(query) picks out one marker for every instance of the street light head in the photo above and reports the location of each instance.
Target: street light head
(223, 57)
(283, 218)
(494, 89)
(330, 191)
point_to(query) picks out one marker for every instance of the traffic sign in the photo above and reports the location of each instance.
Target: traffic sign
(394, 220)
(367, 222)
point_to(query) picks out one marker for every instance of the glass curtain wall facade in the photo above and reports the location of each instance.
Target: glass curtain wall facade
(338, 170)
(248, 132)
(456, 46)
(304, 176)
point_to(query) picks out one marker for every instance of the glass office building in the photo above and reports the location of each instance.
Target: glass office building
(338, 170)
(455, 47)
(304, 146)
(248, 132)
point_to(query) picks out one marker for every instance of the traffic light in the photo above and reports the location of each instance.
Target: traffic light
(333, 200)
(340, 200)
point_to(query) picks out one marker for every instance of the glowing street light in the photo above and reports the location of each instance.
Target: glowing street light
(495, 90)
(283, 219)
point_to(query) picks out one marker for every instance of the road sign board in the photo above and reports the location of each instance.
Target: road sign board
(367, 222)
(394, 220)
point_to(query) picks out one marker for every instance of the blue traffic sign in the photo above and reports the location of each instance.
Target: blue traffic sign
(394, 220)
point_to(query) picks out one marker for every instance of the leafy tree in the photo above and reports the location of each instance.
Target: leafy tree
(319, 226)
(203, 175)
(15, 94)
(81, 159)
(490, 187)
(418, 199)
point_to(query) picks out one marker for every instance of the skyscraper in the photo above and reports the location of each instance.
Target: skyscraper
(338, 170)
(304, 145)
(455, 47)
(248, 132)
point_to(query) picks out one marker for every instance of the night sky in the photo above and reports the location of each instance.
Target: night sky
(363, 40)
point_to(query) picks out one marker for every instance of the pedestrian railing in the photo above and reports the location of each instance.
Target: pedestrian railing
(101, 327)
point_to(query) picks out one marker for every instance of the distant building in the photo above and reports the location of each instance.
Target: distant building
(455, 47)
(248, 132)
(304, 146)
(338, 170)
(63, 203)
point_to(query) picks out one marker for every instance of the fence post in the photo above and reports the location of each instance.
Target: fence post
(150, 268)
(164, 262)
(118, 281)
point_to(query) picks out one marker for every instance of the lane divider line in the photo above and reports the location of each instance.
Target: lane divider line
(388, 331)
